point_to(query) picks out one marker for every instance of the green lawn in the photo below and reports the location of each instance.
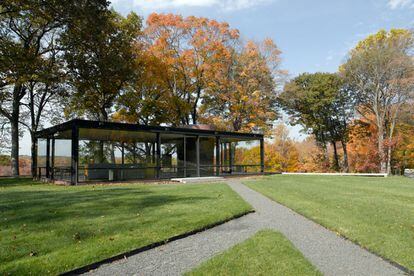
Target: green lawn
(377, 213)
(47, 229)
(266, 253)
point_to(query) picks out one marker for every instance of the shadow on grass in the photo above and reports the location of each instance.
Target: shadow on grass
(13, 182)
(27, 207)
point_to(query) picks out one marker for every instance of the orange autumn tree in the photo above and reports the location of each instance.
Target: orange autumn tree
(241, 96)
(190, 49)
(146, 100)
(311, 157)
(403, 153)
(283, 155)
(363, 151)
(196, 70)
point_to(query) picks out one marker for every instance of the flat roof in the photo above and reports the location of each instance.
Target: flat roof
(87, 124)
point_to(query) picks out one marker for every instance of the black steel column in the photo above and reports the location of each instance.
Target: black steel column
(121, 171)
(52, 175)
(221, 157)
(158, 155)
(185, 156)
(218, 157)
(262, 155)
(75, 156)
(48, 158)
(225, 156)
(230, 158)
(153, 159)
(35, 173)
(198, 155)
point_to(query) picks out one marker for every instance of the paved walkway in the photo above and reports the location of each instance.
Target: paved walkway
(331, 254)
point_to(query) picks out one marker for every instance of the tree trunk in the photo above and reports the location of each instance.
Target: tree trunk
(103, 116)
(381, 153)
(15, 145)
(113, 159)
(194, 116)
(389, 149)
(336, 158)
(325, 154)
(389, 152)
(14, 122)
(101, 154)
(346, 163)
(34, 155)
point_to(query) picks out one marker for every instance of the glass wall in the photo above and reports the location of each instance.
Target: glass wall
(246, 157)
(61, 166)
(172, 156)
(207, 156)
(116, 155)
(179, 156)
(41, 157)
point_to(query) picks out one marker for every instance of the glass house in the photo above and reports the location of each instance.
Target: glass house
(83, 151)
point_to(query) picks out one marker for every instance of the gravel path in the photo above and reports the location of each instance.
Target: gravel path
(331, 254)
(179, 256)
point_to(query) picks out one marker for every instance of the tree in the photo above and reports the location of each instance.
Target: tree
(146, 100)
(322, 105)
(191, 49)
(25, 30)
(44, 97)
(283, 155)
(363, 152)
(311, 157)
(100, 56)
(242, 94)
(380, 72)
(4, 135)
(403, 144)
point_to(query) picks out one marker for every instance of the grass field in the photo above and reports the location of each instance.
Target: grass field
(266, 253)
(377, 213)
(47, 229)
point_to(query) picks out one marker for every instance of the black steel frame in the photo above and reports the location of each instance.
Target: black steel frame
(74, 125)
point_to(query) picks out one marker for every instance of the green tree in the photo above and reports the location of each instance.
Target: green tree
(43, 100)
(4, 135)
(99, 51)
(322, 105)
(380, 72)
(27, 30)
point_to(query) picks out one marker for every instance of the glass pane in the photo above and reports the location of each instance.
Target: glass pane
(207, 156)
(116, 155)
(41, 153)
(62, 163)
(172, 156)
(246, 157)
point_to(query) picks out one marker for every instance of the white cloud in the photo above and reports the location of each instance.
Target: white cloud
(395, 4)
(162, 4)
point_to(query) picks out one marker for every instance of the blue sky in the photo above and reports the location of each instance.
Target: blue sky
(313, 35)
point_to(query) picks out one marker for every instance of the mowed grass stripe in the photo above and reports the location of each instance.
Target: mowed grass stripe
(266, 253)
